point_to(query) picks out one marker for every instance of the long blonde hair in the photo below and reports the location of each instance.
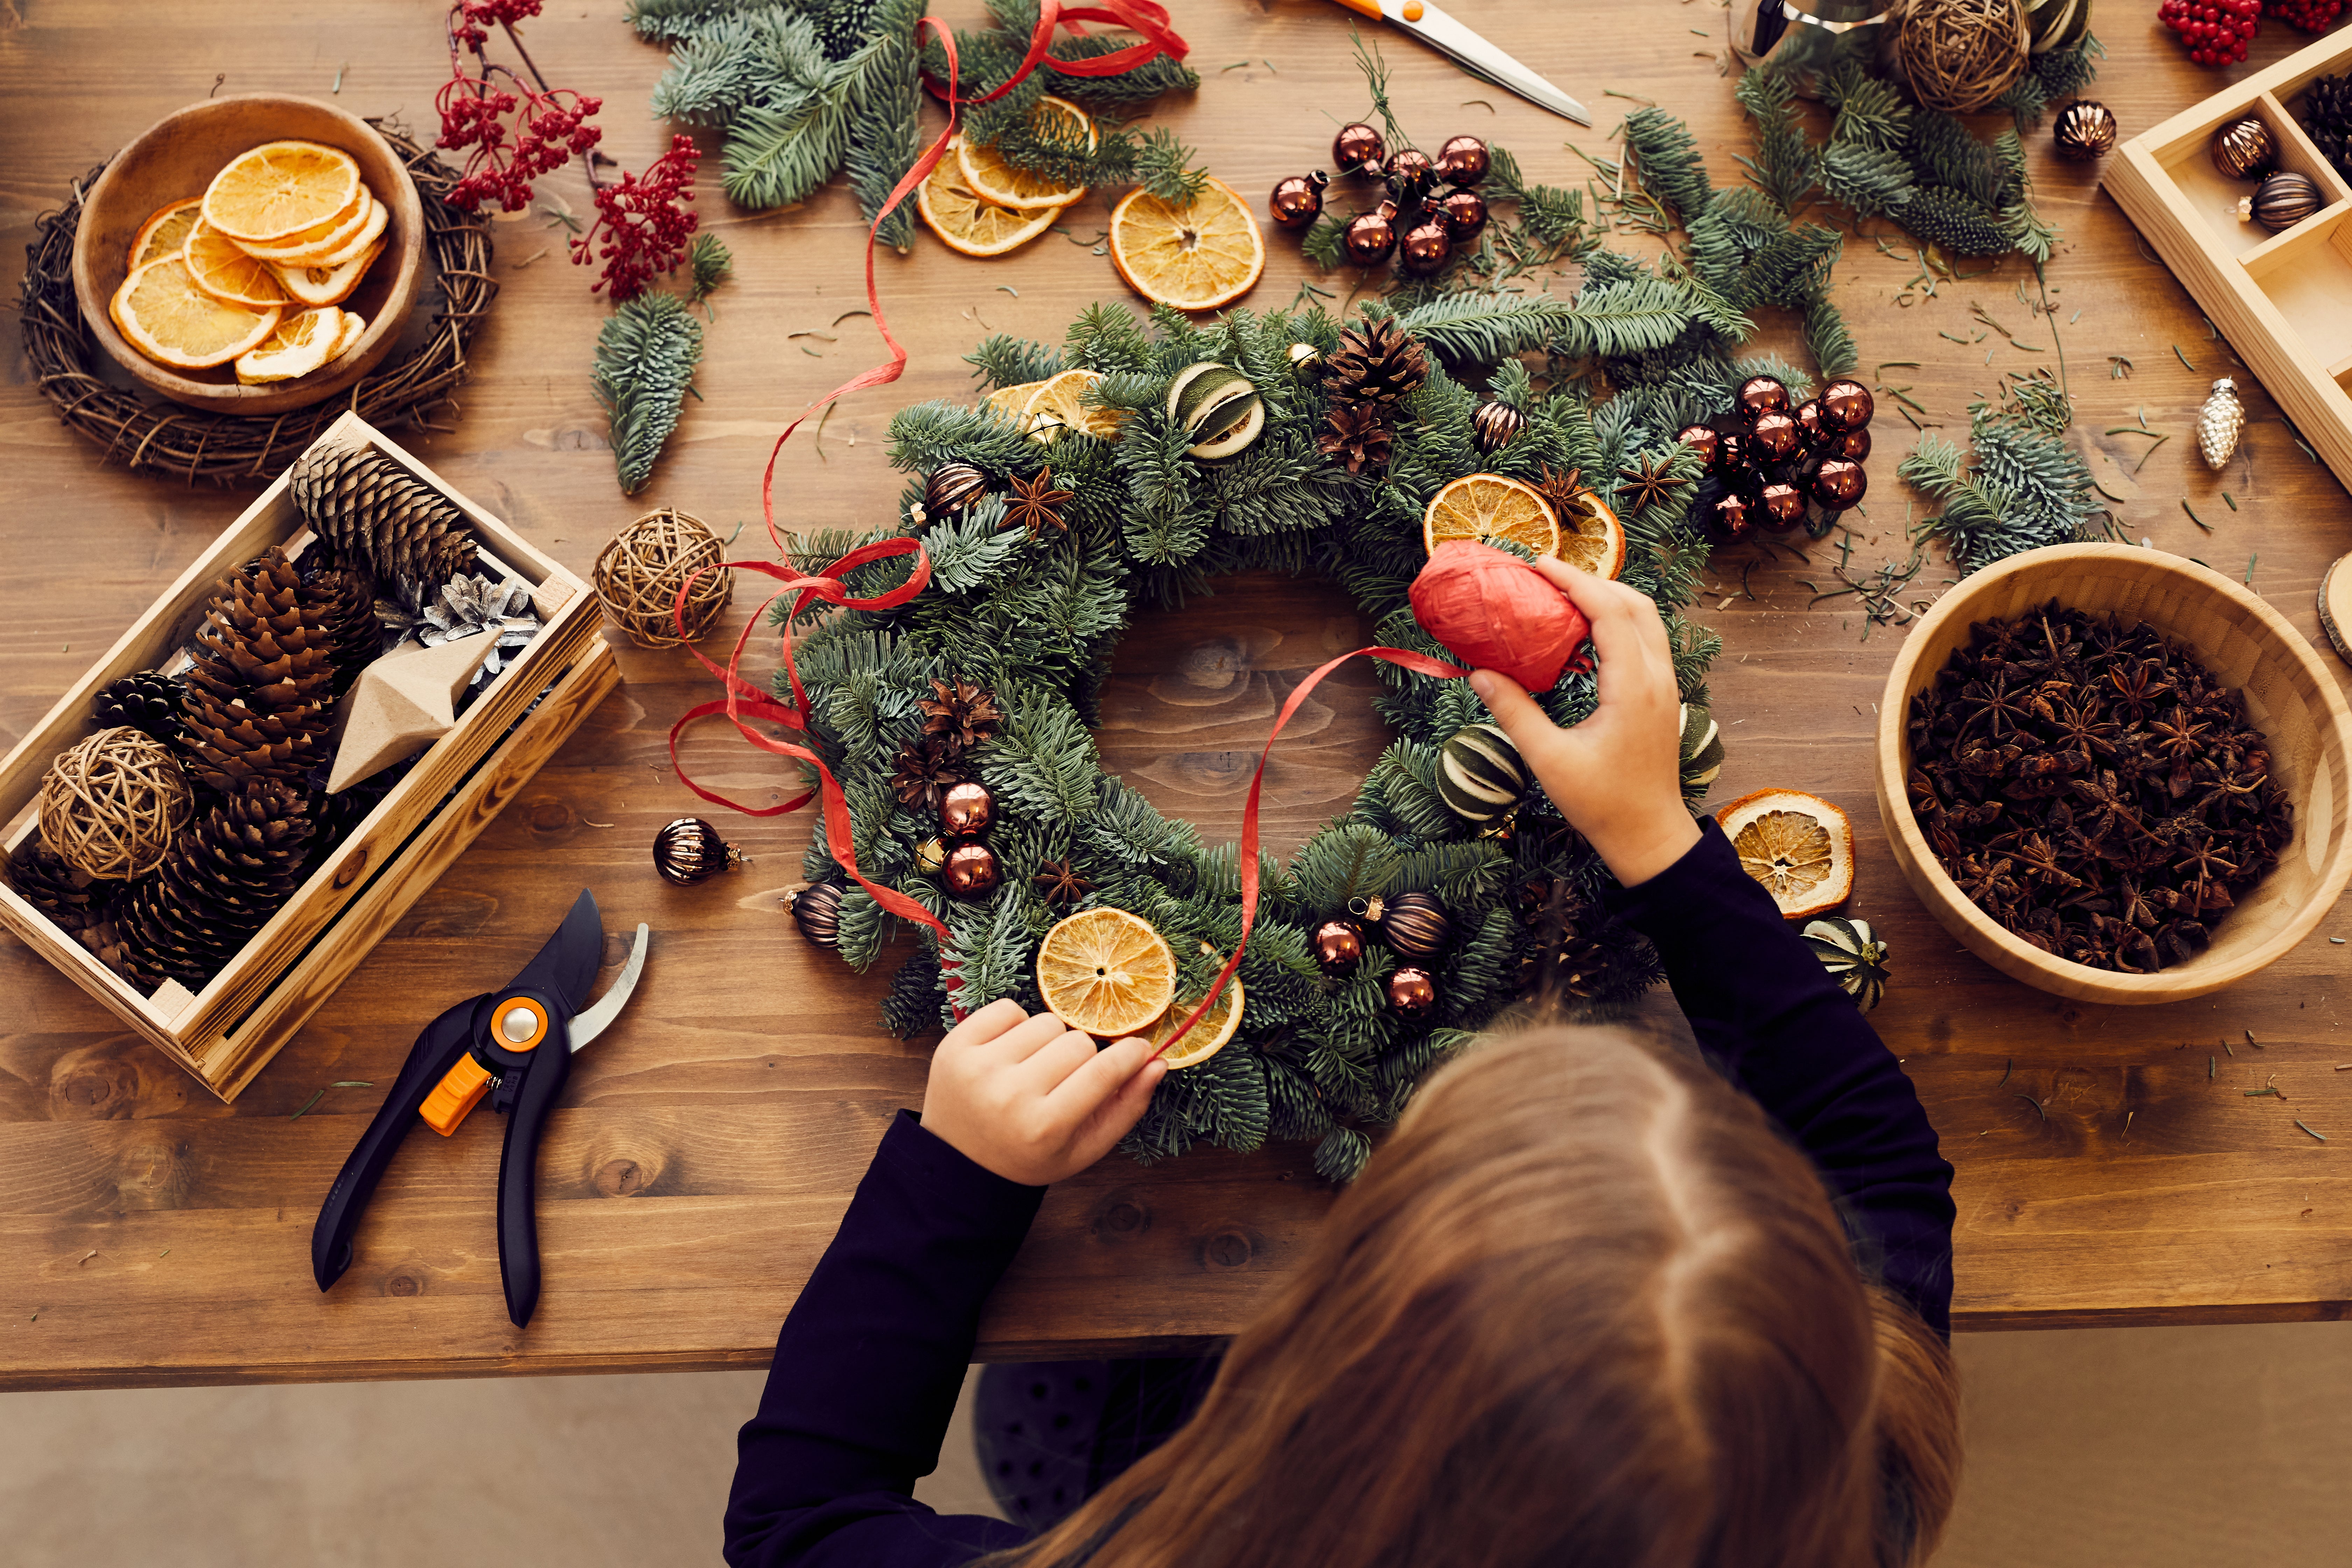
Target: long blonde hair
(1585, 1306)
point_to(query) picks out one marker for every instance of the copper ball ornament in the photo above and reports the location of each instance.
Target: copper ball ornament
(1357, 148)
(1425, 248)
(689, 850)
(1368, 239)
(1702, 439)
(816, 909)
(1413, 923)
(1762, 394)
(1339, 946)
(1842, 483)
(2245, 149)
(966, 810)
(1464, 213)
(1846, 405)
(1495, 425)
(1412, 991)
(1851, 445)
(1808, 415)
(1410, 173)
(1774, 438)
(1297, 199)
(1782, 505)
(2083, 131)
(953, 486)
(1462, 160)
(971, 871)
(1732, 454)
(1729, 516)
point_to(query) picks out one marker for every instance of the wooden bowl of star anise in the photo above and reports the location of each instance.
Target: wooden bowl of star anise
(2115, 774)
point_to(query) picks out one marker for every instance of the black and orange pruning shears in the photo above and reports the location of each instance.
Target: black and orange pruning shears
(515, 1045)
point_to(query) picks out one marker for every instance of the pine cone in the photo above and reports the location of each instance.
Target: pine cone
(1358, 435)
(113, 949)
(147, 702)
(71, 899)
(1571, 956)
(1377, 364)
(925, 770)
(225, 877)
(378, 514)
(964, 713)
(1942, 216)
(461, 607)
(2335, 147)
(347, 597)
(257, 702)
(2327, 104)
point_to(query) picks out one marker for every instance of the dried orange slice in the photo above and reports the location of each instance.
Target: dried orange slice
(270, 194)
(161, 310)
(329, 285)
(1197, 258)
(302, 342)
(1486, 508)
(354, 324)
(349, 237)
(968, 225)
(1590, 537)
(1012, 402)
(1057, 405)
(225, 272)
(993, 180)
(1798, 845)
(166, 232)
(1208, 1036)
(1107, 971)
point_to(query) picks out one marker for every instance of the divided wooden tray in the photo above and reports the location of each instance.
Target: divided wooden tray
(2283, 300)
(225, 1034)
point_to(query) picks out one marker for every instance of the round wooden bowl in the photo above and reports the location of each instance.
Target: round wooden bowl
(177, 157)
(2249, 646)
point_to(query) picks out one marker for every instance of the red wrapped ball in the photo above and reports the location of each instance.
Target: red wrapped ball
(1493, 611)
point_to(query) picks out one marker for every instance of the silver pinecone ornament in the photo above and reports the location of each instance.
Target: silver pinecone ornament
(460, 607)
(2218, 422)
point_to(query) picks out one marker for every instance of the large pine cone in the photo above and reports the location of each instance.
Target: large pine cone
(71, 899)
(147, 702)
(225, 877)
(377, 513)
(258, 701)
(346, 597)
(2327, 104)
(1376, 364)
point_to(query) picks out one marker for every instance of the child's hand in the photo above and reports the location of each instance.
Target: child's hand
(1031, 1098)
(1617, 777)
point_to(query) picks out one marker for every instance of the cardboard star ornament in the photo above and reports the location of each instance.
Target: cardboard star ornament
(402, 703)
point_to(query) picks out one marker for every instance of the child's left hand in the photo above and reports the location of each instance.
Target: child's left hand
(1031, 1098)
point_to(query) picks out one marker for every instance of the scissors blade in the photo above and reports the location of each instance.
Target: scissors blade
(1434, 27)
(587, 1025)
(566, 966)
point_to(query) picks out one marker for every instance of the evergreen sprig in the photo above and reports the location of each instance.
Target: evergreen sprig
(645, 358)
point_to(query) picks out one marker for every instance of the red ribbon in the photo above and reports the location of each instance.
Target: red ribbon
(1404, 658)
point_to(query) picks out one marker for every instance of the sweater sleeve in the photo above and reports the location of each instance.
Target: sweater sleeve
(868, 1366)
(1768, 1014)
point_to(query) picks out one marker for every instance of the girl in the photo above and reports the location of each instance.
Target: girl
(1587, 1305)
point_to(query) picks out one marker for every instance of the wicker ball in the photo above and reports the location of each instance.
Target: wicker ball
(111, 806)
(1960, 55)
(638, 575)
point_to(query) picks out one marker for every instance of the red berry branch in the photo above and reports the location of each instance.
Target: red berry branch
(645, 223)
(2216, 32)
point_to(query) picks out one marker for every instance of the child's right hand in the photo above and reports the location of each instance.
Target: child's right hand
(1617, 777)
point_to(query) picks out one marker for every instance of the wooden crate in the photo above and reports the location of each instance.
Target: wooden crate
(2283, 300)
(225, 1034)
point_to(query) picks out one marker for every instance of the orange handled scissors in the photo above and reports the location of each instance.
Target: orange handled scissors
(1434, 27)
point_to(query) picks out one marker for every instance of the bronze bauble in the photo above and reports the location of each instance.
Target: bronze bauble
(951, 487)
(1367, 240)
(1840, 484)
(1762, 394)
(1495, 425)
(1412, 991)
(1462, 160)
(1339, 946)
(1846, 405)
(1357, 148)
(1851, 445)
(2245, 149)
(2084, 130)
(1782, 505)
(1409, 174)
(966, 810)
(1808, 415)
(816, 909)
(971, 871)
(1702, 439)
(1426, 246)
(689, 850)
(1416, 924)
(1297, 199)
(1730, 516)
(1775, 437)
(1464, 213)
(2284, 200)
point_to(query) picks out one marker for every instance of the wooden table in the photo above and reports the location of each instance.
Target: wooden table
(150, 1235)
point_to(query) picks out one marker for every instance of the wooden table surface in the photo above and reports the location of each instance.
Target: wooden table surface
(710, 1142)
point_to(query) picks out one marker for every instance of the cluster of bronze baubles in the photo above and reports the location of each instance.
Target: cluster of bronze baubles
(1430, 205)
(1770, 461)
(1414, 925)
(2244, 149)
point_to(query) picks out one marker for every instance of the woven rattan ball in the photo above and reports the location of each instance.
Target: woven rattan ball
(1960, 55)
(111, 806)
(640, 571)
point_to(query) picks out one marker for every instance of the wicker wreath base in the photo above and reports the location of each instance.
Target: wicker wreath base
(234, 449)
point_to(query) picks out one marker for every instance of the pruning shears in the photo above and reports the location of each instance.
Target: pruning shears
(513, 1045)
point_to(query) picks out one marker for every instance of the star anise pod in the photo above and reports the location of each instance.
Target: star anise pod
(1035, 503)
(964, 713)
(1649, 485)
(1355, 435)
(925, 770)
(1059, 884)
(1564, 491)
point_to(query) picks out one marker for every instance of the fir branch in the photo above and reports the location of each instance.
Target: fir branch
(1871, 182)
(1321, 243)
(669, 21)
(708, 263)
(1784, 166)
(1872, 114)
(1163, 167)
(1827, 338)
(1002, 359)
(646, 359)
(1668, 162)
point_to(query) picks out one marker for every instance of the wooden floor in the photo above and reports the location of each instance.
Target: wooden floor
(710, 1140)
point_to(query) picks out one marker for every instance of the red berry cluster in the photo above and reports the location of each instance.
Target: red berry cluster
(470, 21)
(2305, 15)
(645, 223)
(2216, 31)
(517, 132)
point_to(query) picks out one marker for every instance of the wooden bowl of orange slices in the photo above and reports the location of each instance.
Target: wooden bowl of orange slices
(250, 255)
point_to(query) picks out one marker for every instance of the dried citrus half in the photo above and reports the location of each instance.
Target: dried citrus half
(1798, 846)
(161, 310)
(994, 180)
(966, 223)
(1107, 971)
(270, 194)
(328, 285)
(225, 272)
(1590, 537)
(1486, 508)
(1195, 257)
(1058, 404)
(1206, 1037)
(302, 342)
(166, 232)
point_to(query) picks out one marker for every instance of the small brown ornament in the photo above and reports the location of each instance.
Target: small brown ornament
(930, 855)
(1762, 394)
(1496, 426)
(816, 909)
(1410, 174)
(1808, 415)
(2084, 130)
(1781, 506)
(1425, 248)
(972, 871)
(1339, 946)
(1732, 454)
(1464, 213)
(950, 488)
(689, 850)
(1412, 923)
(1368, 239)
(1462, 160)
(1412, 991)
(1851, 445)
(1297, 199)
(1774, 435)
(1702, 439)
(1730, 516)
(2284, 199)
(1357, 148)
(639, 573)
(1846, 405)
(2245, 149)
(1840, 484)
(1306, 359)
(967, 810)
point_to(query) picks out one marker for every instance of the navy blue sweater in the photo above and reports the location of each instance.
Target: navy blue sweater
(872, 1354)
